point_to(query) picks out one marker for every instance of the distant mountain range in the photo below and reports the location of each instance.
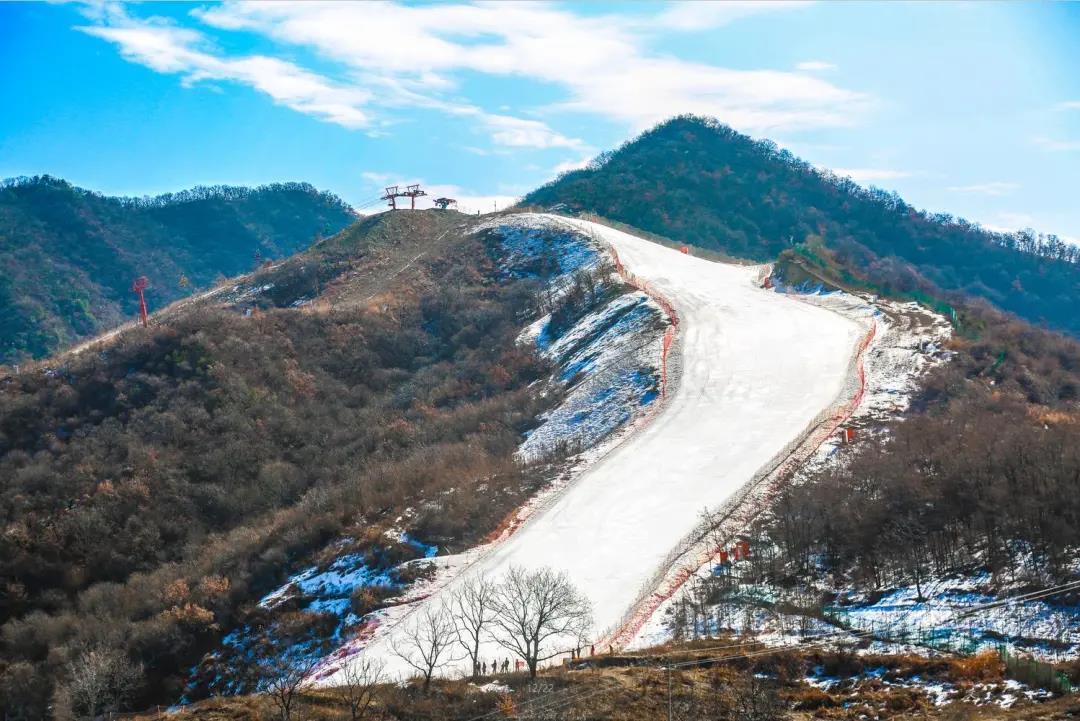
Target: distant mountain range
(697, 181)
(68, 256)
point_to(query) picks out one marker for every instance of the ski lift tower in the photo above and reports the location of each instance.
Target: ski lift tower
(444, 203)
(391, 194)
(412, 192)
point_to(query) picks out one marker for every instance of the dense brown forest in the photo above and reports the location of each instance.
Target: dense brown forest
(982, 474)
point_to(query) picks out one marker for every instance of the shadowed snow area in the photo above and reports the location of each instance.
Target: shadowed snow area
(607, 360)
(753, 367)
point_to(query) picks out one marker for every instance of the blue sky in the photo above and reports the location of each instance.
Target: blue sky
(969, 108)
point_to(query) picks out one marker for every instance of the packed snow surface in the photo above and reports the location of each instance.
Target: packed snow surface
(754, 368)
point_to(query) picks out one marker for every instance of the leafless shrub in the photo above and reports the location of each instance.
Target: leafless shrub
(102, 679)
(284, 679)
(756, 699)
(357, 688)
(426, 643)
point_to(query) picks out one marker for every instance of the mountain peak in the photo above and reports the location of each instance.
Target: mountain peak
(697, 181)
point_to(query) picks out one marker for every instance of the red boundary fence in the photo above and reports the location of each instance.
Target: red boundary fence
(666, 305)
(515, 519)
(662, 585)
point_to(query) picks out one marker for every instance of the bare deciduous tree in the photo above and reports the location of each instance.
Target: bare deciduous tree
(472, 608)
(102, 679)
(427, 641)
(908, 533)
(535, 607)
(756, 699)
(284, 678)
(358, 680)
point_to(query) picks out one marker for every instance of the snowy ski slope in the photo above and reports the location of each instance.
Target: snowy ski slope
(754, 367)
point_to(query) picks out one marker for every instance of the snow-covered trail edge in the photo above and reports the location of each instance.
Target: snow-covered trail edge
(754, 369)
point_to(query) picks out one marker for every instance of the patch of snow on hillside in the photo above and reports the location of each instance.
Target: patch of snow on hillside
(608, 362)
(909, 340)
(940, 693)
(531, 247)
(329, 586)
(325, 593)
(952, 614)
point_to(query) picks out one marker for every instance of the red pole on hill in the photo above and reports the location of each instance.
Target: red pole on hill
(138, 287)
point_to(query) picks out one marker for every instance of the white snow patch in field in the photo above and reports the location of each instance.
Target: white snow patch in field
(908, 342)
(607, 361)
(337, 581)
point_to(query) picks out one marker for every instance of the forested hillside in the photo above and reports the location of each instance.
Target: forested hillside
(68, 256)
(697, 181)
(150, 492)
(980, 474)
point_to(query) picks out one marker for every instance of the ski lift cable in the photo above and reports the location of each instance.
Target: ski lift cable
(959, 611)
(368, 204)
(1023, 598)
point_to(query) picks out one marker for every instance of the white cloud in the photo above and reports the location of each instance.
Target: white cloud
(167, 48)
(518, 132)
(1010, 222)
(599, 61)
(1069, 105)
(467, 201)
(1016, 220)
(995, 188)
(174, 50)
(869, 175)
(482, 204)
(691, 15)
(1056, 146)
(812, 66)
(568, 165)
(378, 179)
(392, 56)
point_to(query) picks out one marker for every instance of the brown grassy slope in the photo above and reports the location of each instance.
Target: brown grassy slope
(636, 688)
